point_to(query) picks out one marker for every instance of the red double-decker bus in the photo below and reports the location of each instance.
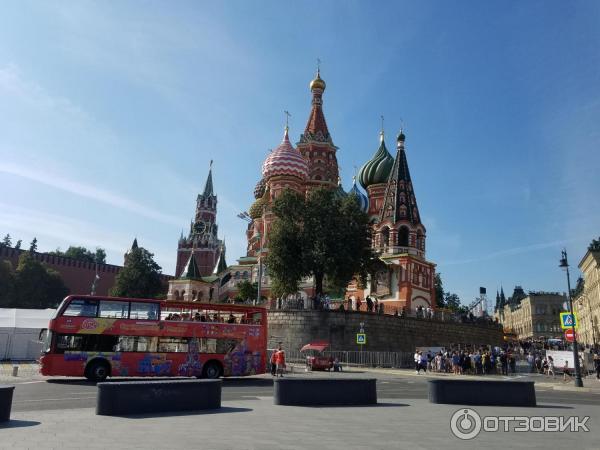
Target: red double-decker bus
(97, 337)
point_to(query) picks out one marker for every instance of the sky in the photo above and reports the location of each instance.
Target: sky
(111, 111)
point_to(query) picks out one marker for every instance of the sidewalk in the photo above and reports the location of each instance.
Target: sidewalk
(258, 424)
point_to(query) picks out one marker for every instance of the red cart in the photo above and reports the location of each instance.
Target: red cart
(315, 359)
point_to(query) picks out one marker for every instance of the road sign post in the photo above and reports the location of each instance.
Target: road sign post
(570, 335)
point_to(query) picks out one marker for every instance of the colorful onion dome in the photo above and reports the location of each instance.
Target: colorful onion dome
(363, 200)
(317, 83)
(377, 169)
(259, 190)
(340, 192)
(285, 160)
(256, 209)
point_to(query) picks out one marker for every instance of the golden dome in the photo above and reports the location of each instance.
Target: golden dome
(317, 83)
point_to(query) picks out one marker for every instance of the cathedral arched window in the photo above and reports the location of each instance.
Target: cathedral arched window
(420, 240)
(237, 275)
(245, 274)
(403, 237)
(385, 237)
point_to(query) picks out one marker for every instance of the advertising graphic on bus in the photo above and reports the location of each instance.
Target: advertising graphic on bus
(97, 337)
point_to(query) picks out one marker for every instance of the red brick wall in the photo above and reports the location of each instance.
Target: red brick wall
(77, 275)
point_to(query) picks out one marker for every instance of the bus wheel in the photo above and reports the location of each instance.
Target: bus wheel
(97, 371)
(212, 370)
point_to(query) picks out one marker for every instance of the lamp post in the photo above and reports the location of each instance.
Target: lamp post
(565, 265)
(246, 218)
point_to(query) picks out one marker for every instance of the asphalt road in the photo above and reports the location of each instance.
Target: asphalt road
(65, 393)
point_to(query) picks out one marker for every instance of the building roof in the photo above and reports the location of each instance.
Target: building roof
(399, 202)
(285, 160)
(377, 169)
(25, 318)
(221, 265)
(191, 270)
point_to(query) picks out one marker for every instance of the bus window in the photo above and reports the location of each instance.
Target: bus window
(137, 344)
(143, 311)
(113, 309)
(172, 345)
(82, 307)
(85, 343)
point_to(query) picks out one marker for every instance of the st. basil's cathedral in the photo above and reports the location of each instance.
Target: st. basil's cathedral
(405, 278)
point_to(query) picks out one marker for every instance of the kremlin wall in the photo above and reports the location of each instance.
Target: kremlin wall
(385, 333)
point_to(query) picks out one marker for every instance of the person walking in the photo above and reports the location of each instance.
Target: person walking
(597, 364)
(550, 366)
(417, 358)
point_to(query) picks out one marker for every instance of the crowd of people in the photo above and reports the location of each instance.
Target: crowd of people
(497, 361)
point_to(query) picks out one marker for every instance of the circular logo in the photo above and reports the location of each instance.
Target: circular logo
(89, 324)
(465, 424)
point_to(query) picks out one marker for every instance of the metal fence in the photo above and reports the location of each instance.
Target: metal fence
(358, 359)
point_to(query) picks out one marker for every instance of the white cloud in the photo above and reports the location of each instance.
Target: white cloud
(58, 181)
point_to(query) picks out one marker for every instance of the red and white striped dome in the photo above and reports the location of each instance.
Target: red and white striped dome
(285, 160)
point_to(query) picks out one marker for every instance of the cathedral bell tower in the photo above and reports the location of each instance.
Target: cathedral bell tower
(316, 145)
(202, 237)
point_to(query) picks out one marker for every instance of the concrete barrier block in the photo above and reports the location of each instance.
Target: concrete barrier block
(6, 395)
(142, 397)
(325, 391)
(482, 393)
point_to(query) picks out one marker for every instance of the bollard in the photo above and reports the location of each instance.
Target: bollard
(15, 371)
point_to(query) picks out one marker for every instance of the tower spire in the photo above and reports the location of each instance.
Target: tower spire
(208, 187)
(399, 203)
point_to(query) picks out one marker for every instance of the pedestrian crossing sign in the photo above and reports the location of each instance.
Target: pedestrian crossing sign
(568, 320)
(361, 338)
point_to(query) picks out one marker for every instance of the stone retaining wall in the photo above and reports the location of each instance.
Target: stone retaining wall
(384, 333)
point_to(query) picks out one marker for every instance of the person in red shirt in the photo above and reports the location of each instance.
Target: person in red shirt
(280, 358)
(274, 362)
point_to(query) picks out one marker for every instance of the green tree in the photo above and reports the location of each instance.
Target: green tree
(7, 285)
(247, 290)
(140, 278)
(452, 301)
(285, 262)
(6, 242)
(33, 245)
(83, 254)
(36, 285)
(439, 291)
(321, 236)
(18, 245)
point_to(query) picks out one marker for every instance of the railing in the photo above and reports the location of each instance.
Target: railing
(441, 315)
(358, 359)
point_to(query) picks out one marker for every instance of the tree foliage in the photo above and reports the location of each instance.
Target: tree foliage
(321, 236)
(439, 291)
(83, 254)
(247, 290)
(6, 241)
(33, 245)
(140, 278)
(31, 285)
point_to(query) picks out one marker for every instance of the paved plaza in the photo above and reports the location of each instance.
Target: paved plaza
(59, 413)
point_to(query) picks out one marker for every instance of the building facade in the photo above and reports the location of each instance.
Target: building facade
(536, 316)
(405, 278)
(586, 300)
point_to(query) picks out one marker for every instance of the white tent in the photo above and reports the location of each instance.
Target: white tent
(19, 332)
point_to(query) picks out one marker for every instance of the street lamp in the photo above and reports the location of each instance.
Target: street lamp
(246, 217)
(565, 265)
